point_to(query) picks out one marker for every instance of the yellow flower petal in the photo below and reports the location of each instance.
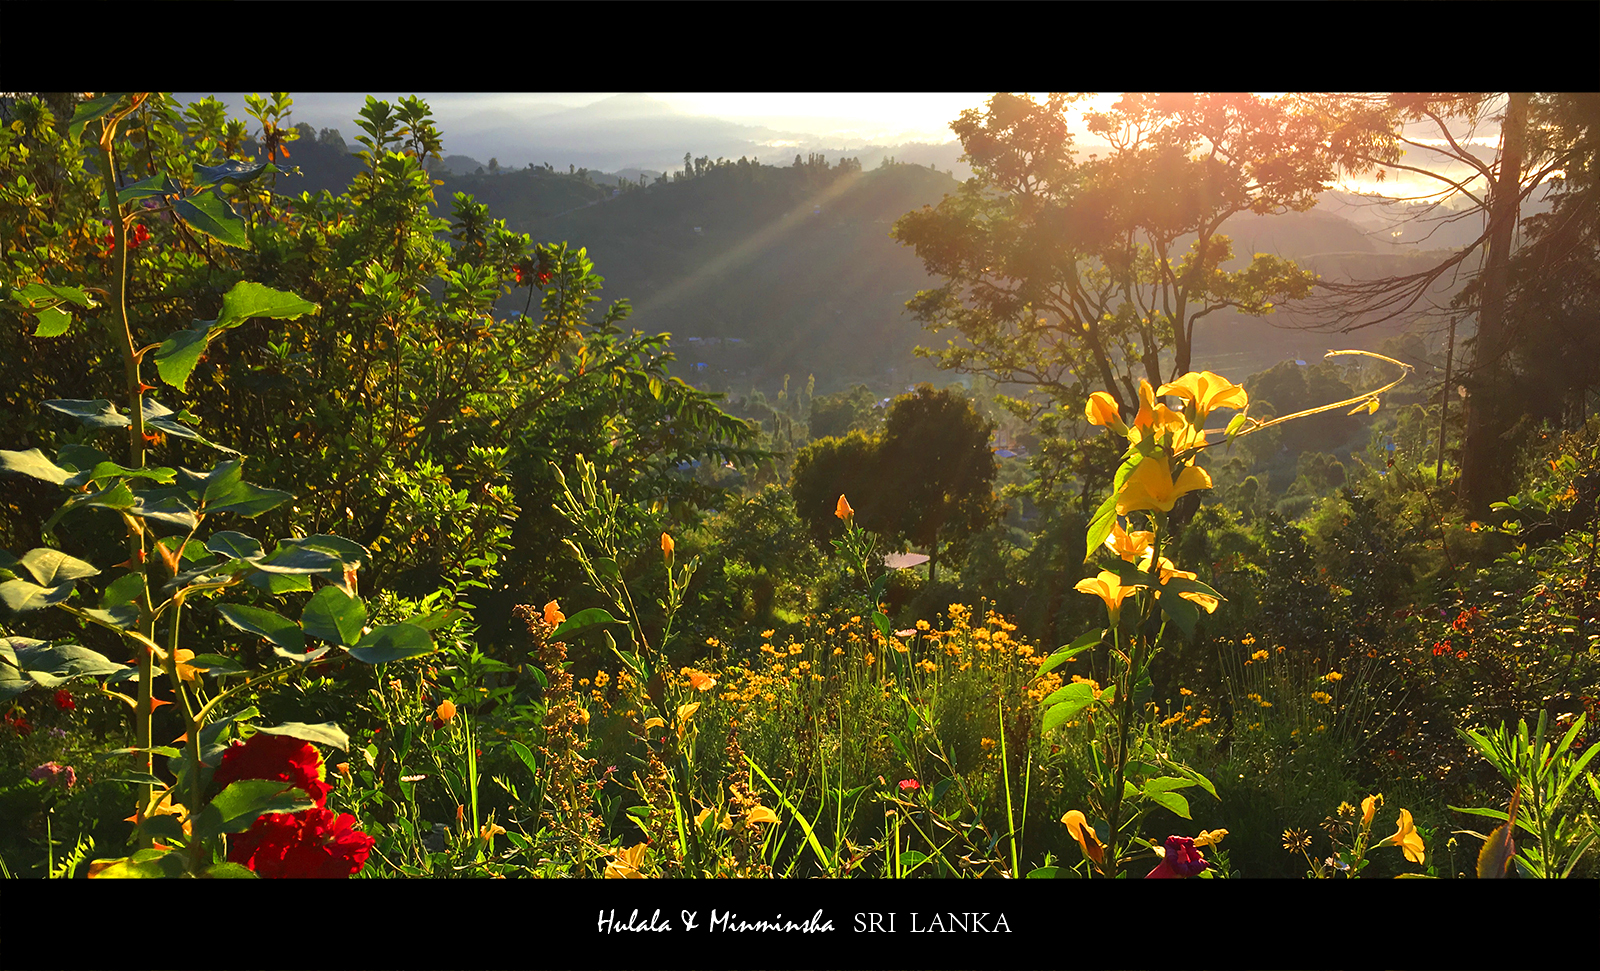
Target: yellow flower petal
(761, 814)
(1151, 486)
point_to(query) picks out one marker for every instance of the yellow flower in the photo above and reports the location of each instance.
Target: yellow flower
(1210, 837)
(686, 712)
(1129, 546)
(552, 614)
(1406, 838)
(666, 546)
(701, 681)
(760, 814)
(186, 672)
(1205, 391)
(1085, 835)
(1102, 410)
(1151, 485)
(654, 722)
(1169, 570)
(1160, 425)
(625, 864)
(1369, 806)
(1108, 587)
(843, 510)
(1322, 697)
(446, 711)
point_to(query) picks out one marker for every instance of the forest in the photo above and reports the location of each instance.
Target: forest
(365, 517)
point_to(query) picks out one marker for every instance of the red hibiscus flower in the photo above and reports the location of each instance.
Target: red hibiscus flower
(313, 843)
(277, 757)
(1182, 860)
(64, 700)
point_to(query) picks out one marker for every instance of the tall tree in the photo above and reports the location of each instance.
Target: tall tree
(1435, 138)
(1071, 274)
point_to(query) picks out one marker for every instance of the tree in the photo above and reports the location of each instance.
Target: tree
(1435, 137)
(837, 414)
(926, 479)
(937, 470)
(1069, 275)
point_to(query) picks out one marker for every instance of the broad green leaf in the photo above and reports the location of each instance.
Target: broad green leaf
(1166, 783)
(880, 620)
(123, 617)
(1076, 692)
(1100, 526)
(344, 550)
(206, 213)
(93, 414)
(76, 458)
(1070, 651)
(234, 545)
(325, 733)
(607, 568)
(171, 510)
(1183, 612)
(232, 171)
(53, 567)
(279, 583)
(62, 662)
(161, 867)
(53, 322)
(1043, 872)
(161, 418)
(101, 471)
(123, 590)
(90, 110)
(436, 619)
(581, 621)
(296, 559)
(334, 616)
(1171, 801)
(35, 296)
(247, 500)
(33, 463)
(391, 643)
(228, 871)
(178, 355)
(248, 299)
(156, 185)
(216, 664)
(275, 628)
(236, 807)
(21, 596)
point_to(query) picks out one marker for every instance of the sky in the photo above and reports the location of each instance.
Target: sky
(839, 120)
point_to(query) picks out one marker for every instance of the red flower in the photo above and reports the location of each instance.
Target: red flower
(313, 843)
(18, 723)
(278, 757)
(1182, 860)
(910, 784)
(64, 700)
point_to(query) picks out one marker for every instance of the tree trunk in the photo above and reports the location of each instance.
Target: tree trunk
(1483, 469)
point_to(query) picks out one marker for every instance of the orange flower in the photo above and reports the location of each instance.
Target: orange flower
(186, 672)
(1156, 424)
(1406, 838)
(1101, 409)
(1151, 485)
(666, 546)
(1108, 587)
(843, 510)
(1369, 806)
(1129, 546)
(1170, 570)
(1085, 835)
(701, 681)
(1205, 391)
(446, 711)
(552, 614)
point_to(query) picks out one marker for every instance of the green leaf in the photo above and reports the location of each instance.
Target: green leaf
(232, 171)
(178, 355)
(326, 733)
(334, 616)
(53, 664)
(1171, 801)
(236, 807)
(213, 216)
(33, 463)
(101, 471)
(36, 296)
(53, 322)
(581, 621)
(343, 551)
(234, 545)
(278, 584)
(391, 643)
(21, 596)
(216, 664)
(1100, 526)
(295, 559)
(1069, 700)
(880, 620)
(247, 500)
(1069, 651)
(1166, 783)
(90, 110)
(228, 871)
(53, 567)
(1183, 612)
(1076, 692)
(607, 568)
(93, 414)
(123, 590)
(161, 866)
(248, 299)
(156, 185)
(275, 628)
(436, 619)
